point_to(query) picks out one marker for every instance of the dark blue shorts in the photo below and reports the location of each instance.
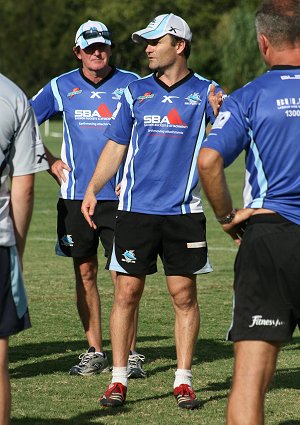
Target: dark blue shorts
(267, 281)
(179, 240)
(14, 315)
(75, 237)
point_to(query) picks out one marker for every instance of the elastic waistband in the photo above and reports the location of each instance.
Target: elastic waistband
(267, 218)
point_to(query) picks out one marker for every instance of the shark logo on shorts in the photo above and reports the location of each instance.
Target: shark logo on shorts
(67, 240)
(129, 256)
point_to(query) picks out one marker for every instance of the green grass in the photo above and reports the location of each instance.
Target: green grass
(44, 393)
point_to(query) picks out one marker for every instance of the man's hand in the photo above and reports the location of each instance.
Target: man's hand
(118, 189)
(237, 227)
(88, 208)
(215, 99)
(58, 169)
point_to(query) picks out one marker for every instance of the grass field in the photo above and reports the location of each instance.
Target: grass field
(44, 393)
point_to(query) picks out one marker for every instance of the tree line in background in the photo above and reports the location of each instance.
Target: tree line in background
(37, 37)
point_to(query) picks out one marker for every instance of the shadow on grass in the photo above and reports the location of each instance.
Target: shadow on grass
(170, 394)
(89, 418)
(287, 378)
(24, 351)
(207, 350)
(86, 418)
(63, 355)
(292, 422)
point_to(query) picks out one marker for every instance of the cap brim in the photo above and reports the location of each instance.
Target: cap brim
(83, 43)
(144, 35)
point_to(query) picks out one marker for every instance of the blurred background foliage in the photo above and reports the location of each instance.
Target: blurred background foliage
(37, 37)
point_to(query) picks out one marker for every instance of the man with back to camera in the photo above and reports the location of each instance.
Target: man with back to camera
(21, 156)
(160, 123)
(87, 98)
(262, 118)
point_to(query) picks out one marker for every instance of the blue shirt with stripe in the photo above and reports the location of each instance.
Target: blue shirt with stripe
(86, 109)
(263, 119)
(164, 128)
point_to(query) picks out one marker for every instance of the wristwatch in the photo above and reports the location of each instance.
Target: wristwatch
(227, 218)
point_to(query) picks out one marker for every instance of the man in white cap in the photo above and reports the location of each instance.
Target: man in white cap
(87, 98)
(160, 123)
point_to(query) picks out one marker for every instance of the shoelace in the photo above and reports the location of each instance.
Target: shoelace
(185, 391)
(134, 358)
(85, 357)
(114, 388)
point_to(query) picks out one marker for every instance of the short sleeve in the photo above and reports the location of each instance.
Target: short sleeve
(120, 126)
(27, 155)
(230, 133)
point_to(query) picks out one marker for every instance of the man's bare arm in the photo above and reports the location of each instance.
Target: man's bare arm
(22, 194)
(107, 166)
(211, 171)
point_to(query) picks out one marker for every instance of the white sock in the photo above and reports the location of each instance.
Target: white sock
(183, 376)
(120, 374)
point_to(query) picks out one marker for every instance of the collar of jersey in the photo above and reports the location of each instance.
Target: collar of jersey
(109, 75)
(174, 86)
(278, 67)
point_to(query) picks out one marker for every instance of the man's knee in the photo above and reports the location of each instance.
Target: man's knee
(86, 271)
(128, 291)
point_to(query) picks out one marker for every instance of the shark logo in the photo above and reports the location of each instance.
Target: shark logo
(193, 99)
(129, 256)
(67, 240)
(118, 93)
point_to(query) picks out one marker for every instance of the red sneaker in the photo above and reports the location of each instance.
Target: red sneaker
(114, 396)
(186, 398)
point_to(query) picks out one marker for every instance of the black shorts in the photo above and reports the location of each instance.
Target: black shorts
(267, 281)
(180, 241)
(75, 237)
(14, 315)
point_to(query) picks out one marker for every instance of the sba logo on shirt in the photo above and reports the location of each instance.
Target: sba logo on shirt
(173, 118)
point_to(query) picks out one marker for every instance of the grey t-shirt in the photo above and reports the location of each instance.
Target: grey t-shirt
(21, 148)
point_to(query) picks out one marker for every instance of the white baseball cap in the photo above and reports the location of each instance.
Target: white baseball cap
(92, 32)
(162, 25)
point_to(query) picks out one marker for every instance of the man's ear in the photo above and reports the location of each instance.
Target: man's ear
(76, 51)
(263, 43)
(181, 45)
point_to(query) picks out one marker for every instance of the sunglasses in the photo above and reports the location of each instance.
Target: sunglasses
(94, 33)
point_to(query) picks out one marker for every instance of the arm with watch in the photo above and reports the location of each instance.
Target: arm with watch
(213, 180)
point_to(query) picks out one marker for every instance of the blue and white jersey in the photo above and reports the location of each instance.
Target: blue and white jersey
(164, 127)
(263, 118)
(86, 109)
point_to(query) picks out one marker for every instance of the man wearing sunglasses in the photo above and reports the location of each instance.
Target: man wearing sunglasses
(87, 98)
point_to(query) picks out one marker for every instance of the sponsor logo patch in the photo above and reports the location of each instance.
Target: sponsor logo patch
(74, 92)
(258, 320)
(172, 119)
(146, 96)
